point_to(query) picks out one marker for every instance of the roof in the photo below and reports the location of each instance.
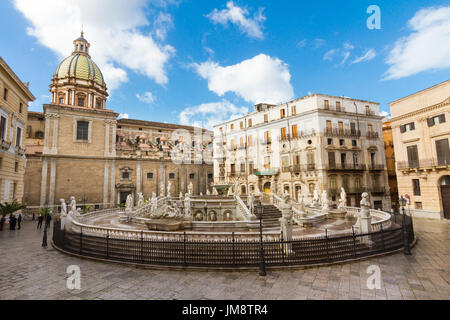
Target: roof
(418, 92)
(17, 80)
(161, 125)
(80, 66)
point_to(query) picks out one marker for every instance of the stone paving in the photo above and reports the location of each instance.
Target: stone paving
(28, 271)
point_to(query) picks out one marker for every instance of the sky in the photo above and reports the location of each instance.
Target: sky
(204, 62)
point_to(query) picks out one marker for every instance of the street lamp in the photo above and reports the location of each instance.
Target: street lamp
(262, 265)
(406, 248)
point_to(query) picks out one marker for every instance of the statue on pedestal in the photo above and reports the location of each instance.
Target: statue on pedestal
(169, 187)
(161, 190)
(207, 192)
(63, 213)
(343, 199)
(187, 207)
(129, 204)
(140, 200)
(190, 189)
(154, 202)
(315, 200)
(251, 202)
(364, 222)
(325, 202)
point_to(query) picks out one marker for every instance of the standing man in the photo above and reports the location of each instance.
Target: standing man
(48, 219)
(40, 218)
(19, 220)
(12, 222)
(2, 222)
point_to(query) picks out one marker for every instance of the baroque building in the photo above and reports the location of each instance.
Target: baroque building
(318, 141)
(390, 163)
(421, 133)
(78, 147)
(14, 100)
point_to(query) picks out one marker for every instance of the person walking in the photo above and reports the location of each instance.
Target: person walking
(19, 220)
(40, 218)
(12, 222)
(48, 219)
(2, 222)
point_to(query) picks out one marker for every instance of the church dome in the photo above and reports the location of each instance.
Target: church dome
(80, 66)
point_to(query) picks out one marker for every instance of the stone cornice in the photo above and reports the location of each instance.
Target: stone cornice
(421, 111)
(104, 112)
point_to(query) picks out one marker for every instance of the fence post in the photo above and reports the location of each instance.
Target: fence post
(81, 240)
(234, 261)
(282, 248)
(326, 242)
(184, 249)
(142, 247)
(354, 242)
(382, 235)
(107, 243)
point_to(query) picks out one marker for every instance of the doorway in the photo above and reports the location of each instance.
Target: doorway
(445, 195)
(267, 188)
(123, 196)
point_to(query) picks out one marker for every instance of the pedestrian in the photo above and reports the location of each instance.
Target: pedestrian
(2, 223)
(40, 218)
(12, 222)
(48, 218)
(19, 220)
(33, 217)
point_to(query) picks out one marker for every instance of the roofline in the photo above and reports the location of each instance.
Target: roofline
(157, 124)
(17, 79)
(418, 92)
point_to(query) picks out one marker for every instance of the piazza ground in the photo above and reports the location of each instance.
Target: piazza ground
(28, 271)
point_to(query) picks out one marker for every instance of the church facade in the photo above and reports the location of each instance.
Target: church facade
(77, 147)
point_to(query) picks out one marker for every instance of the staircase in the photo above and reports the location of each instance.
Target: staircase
(271, 217)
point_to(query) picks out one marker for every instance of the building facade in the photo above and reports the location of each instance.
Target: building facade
(421, 132)
(14, 100)
(390, 163)
(316, 141)
(77, 147)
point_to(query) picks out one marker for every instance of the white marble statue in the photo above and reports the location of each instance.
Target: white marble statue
(73, 205)
(140, 200)
(215, 192)
(365, 205)
(236, 187)
(169, 189)
(315, 200)
(187, 206)
(63, 213)
(343, 199)
(154, 203)
(251, 202)
(324, 201)
(181, 196)
(207, 192)
(129, 204)
(161, 190)
(230, 192)
(190, 189)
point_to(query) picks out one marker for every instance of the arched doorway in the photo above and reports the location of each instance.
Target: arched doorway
(444, 184)
(243, 190)
(267, 188)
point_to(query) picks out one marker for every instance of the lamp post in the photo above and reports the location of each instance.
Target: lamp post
(262, 264)
(406, 248)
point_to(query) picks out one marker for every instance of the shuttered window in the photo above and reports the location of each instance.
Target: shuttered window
(82, 130)
(413, 156)
(443, 152)
(283, 133)
(416, 187)
(294, 131)
(2, 127)
(436, 120)
(407, 127)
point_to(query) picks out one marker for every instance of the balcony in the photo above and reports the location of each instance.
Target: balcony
(372, 135)
(266, 172)
(20, 151)
(376, 167)
(377, 190)
(335, 132)
(242, 146)
(423, 164)
(346, 166)
(266, 142)
(5, 145)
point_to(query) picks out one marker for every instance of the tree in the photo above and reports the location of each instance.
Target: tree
(11, 207)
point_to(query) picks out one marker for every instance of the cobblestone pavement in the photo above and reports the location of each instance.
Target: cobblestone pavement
(28, 271)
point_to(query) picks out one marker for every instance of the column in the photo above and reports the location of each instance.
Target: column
(89, 100)
(107, 122)
(162, 179)
(52, 186)
(44, 181)
(55, 134)
(105, 183)
(95, 101)
(73, 97)
(182, 179)
(113, 138)
(47, 133)
(113, 182)
(67, 97)
(138, 177)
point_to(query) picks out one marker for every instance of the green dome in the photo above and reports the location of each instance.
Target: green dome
(80, 66)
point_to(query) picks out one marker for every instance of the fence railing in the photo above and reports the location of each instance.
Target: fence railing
(235, 252)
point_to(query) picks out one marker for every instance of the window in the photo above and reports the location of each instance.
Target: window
(20, 107)
(294, 110)
(282, 113)
(329, 126)
(295, 160)
(2, 127)
(436, 120)
(341, 127)
(283, 133)
(192, 176)
(171, 176)
(251, 167)
(330, 141)
(232, 127)
(5, 94)
(331, 159)
(242, 124)
(18, 136)
(99, 104)
(353, 128)
(242, 166)
(266, 118)
(407, 127)
(294, 131)
(14, 190)
(418, 205)
(81, 102)
(416, 187)
(267, 136)
(369, 128)
(343, 159)
(16, 166)
(242, 144)
(367, 110)
(210, 176)
(354, 143)
(82, 130)
(413, 156)
(232, 168)
(125, 175)
(39, 135)
(333, 184)
(326, 105)
(342, 142)
(149, 175)
(61, 100)
(345, 182)
(250, 141)
(338, 106)
(249, 122)
(443, 152)
(285, 162)
(355, 159)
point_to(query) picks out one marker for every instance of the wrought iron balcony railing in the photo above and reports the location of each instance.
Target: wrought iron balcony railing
(345, 166)
(335, 132)
(423, 163)
(372, 135)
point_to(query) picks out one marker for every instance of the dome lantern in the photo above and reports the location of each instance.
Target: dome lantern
(81, 45)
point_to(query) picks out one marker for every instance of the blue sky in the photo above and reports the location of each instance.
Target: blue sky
(201, 62)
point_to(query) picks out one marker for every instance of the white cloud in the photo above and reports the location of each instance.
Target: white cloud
(385, 114)
(426, 48)
(112, 27)
(162, 24)
(346, 55)
(147, 97)
(329, 55)
(209, 114)
(348, 46)
(317, 43)
(302, 43)
(239, 16)
(123, 116)
(369, 55)
(260, 79)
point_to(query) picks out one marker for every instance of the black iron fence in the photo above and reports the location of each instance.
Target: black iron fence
(230, 253)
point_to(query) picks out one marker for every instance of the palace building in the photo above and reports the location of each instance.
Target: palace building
(318, 141)
(14, 99)
(421, 133)
(78, 147)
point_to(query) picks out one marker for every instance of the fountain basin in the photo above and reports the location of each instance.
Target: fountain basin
(167, 225)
